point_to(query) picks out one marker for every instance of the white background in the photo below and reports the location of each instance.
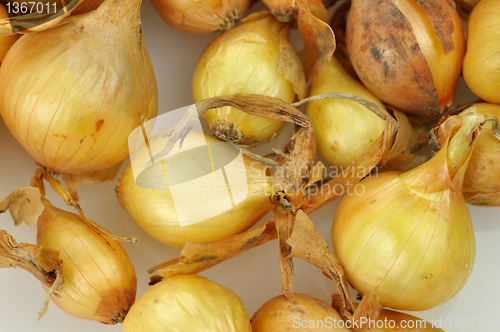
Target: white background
(254, 275)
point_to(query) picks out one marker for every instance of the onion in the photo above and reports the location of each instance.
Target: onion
(196, 207)
(394, 321)
(344, 130)
(71, 111)
(482, 60)
(407, 53)
(202, 16)
(187, 303)
(408, 236)
(99, 276)
(254, 57)
(482, 177)
(301, 312)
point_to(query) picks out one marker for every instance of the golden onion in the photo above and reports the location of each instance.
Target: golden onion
(408, 55)
(99, 276)
(408, 236)
(202, 16)
(198, 203)
(343, 129)
(70, 107)
(187, 303)
(301, 312)
(482, 60)
(246, 59)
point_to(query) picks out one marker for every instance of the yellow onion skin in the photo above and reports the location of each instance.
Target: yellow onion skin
(71, 95)
(287, 11)
(397, 55)
(482, 177)
(187, 303)
(6, 42)
(154, 209)
(408, 236)
(243, 60)
(344, 130)
(202, 17)
(300, 313)
(99, 276)
(481, 66)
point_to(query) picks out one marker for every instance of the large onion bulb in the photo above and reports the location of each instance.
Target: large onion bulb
(409, 236)
(255, 57)
(408, 53)
(99, 276)
(200, 17)
(196, 204)
(71, 95)
(482, 60)
(343, 129)
(187, 303)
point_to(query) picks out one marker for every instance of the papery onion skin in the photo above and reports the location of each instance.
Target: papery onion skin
(5, 42)
(202, 16)
(396, 54)
(187, 303)
(154, 209)
(70, 106)
(287, 10)
(99, 276)
(481, 66)
(408, 236)
(344, 130)
(482, 177)
(243, 60)
(282, 314)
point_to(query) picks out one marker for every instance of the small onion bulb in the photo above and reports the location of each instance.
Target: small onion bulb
(482, 60)
(396, 52)
(187, 303)
(245, 60)
(343, 129)
(99, 276)
(302, 312)
(196, 207)
(202, 16)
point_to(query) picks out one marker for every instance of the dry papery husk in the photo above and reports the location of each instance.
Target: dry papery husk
(86, 6)
(385, 320)
(291, 180)
(100, 282)
(36, 22)
(71, 108)
(25, 205)
(482, 178)
(202, 17)
(287, 11)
